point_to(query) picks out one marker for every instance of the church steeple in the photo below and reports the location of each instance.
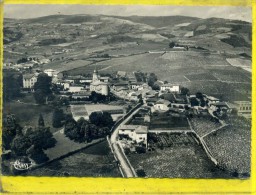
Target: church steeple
(95, 76)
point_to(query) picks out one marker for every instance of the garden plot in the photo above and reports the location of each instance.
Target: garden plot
(85, 110)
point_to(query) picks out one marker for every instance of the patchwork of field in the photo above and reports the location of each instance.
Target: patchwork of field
(199, 71)
(85, 110)
(225, 91)
(177, 160)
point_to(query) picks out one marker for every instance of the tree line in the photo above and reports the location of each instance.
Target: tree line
(98, 126)
(27, 141)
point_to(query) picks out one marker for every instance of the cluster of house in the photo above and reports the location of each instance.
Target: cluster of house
(29, 63)
(169, 98)
(78, 86)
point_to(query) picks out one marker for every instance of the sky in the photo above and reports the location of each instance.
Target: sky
(32, 11)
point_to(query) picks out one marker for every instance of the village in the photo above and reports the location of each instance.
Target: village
(167, 113)
(110, 96)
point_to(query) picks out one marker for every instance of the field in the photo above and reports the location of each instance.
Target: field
(65, 66)
(27, 112)
(201, 77)
(165, 121)
(94, 161)
(204, 124)
(180, 160)
(199, 71)
(231, 148)
(86, 110)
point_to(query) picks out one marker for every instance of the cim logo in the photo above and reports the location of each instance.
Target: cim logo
(18, 165)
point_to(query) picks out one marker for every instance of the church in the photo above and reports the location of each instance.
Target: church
(99, 84)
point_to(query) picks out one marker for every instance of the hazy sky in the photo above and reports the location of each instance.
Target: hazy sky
(31, 11)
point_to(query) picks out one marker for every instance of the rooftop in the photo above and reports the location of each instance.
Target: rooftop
(28, 76)
(165, 102)
(141, 130)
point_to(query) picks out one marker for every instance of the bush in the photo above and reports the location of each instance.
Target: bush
(141, 173)
(39, 156)
(140, 150)
(127, 151)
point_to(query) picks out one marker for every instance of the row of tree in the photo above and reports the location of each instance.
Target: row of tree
(27, 141)
(98, 126)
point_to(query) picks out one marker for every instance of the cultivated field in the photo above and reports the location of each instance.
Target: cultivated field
(179, 160)
(85, 110)
(204, 124)
(231, 146)
(167, 121)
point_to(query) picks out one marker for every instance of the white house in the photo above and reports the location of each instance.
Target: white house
(29, 81)
(170, 87)
(137, 133)
(75, 88)
(212, 100)
(49, 72)
(135, 85)
(162, 105)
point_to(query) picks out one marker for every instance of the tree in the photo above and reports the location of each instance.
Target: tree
(10, 129)
(57, 118)
(172, 44)
(107, 120)
(42, 138)
(41, 121)
(37, 154)
(39, 96)
(199, 95)
(194, 102)
(184, 91)
(12, 84)
(141, 173)
(42, 87)
(156, 86)
(101, 119)
(97, 97)
(20, 144)
(152, 79)
(70, 128)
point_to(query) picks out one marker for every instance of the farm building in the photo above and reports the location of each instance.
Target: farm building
(75, 88)
(118, 86)
(212, 100)
(134, 95)
(222, 106)
(137, 133)
(244, 108)
(162, 105)
(170, 87)
(81, 95)
(136, 85)
(49, 72)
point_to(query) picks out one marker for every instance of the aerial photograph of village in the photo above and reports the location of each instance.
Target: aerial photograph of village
(127, 91)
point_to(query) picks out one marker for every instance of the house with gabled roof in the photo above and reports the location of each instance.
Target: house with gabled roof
(29, 81)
